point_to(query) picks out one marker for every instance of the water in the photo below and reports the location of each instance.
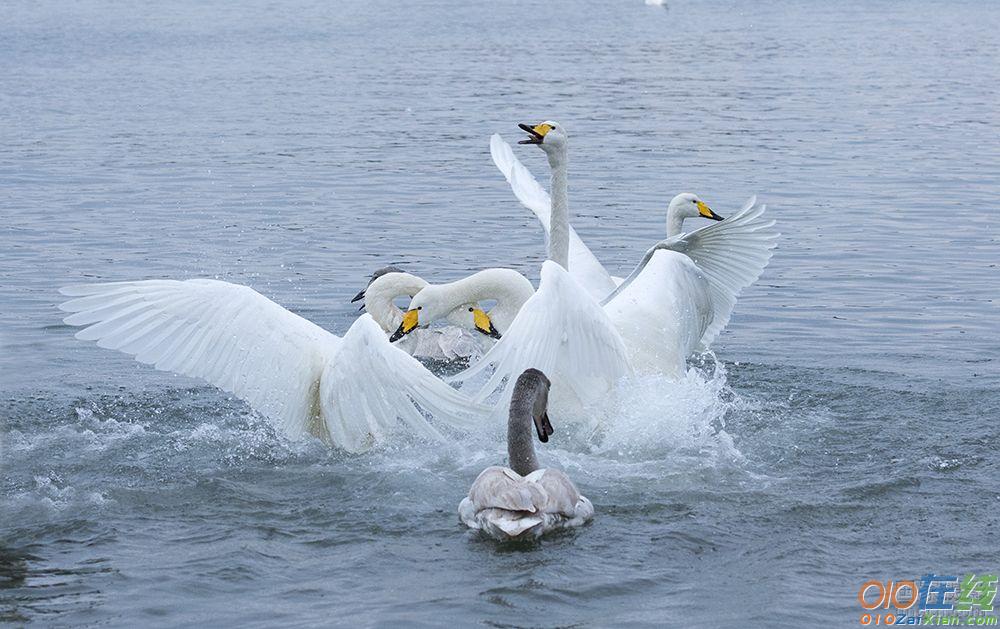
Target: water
(849, 430)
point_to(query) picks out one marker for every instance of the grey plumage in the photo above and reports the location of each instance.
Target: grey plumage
(526, 501)
(377, 274)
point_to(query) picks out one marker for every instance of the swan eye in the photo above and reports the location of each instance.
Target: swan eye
(695, 201)
(420, 307)
(470, 309)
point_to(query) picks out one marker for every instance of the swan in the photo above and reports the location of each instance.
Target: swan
(559, 329)
(694, 278)
(459, 340)
(508, 288)
(676, 300)
(352, 392)
(524, 501)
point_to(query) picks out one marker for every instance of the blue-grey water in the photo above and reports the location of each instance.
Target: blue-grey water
(849, 431)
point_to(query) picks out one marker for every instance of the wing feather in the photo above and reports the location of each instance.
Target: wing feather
(563, 332)
(227, 334)
(583, 265)
(388, 384)
(731, 254)
(351, 392)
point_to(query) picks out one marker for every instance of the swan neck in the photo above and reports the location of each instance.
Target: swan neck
(520, 440)
(509, 288)
(380, 294)
(675, 222)
(559, 220)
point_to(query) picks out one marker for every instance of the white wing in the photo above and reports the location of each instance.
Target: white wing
(583, 266)
(369, 385)
(290, 370)
(662, 313)
(563, 332)
(731, 254)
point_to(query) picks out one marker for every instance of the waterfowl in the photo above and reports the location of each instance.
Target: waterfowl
(524, 501)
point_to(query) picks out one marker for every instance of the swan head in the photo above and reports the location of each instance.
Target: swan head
(532, 383)
(432, 304)
(377, 274)
(688, 205)
(549, 136)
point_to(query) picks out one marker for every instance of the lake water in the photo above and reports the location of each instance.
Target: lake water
(849, 430)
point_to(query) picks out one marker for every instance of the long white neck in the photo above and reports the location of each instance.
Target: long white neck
(383, 290)
(509, 288)
(559, 221)
(675, 220)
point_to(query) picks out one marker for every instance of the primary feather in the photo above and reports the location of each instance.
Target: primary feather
(351, 392)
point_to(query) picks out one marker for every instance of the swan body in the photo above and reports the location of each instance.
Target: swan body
(524, 501)
(562, 331)
(662, 314)
(664, 317)
(730, 255)
(351, 392)
(674, 303)
(458, 340)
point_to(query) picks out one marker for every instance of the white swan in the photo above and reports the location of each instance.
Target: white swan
(459, 340)
(352, 392)
(508, 288)
(677, 274)
(524, 501)
(676, 300)
(560, 329)
(583, 265)
(699, 297)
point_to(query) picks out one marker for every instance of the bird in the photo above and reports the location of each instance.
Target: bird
(524, 501)
(668, 308)
(733, 256)
(676, 299)
(506, 287)
(352, 392)
(459, 340)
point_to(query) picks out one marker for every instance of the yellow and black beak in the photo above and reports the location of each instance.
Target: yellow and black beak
(707, 212)
(536, 134)
(484, 324)
(410, 322)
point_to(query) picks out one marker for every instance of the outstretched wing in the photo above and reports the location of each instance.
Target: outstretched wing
(732, 254)
(281, 364)
(583, 266)
(563, 332)
(226, 334)
(370, 386)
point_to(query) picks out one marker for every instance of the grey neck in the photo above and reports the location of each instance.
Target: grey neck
(520, 440)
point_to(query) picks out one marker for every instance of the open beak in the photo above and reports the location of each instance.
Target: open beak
(484, 324)
(410, 321)
(707, 212)
(544, 427)
(536, 134)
